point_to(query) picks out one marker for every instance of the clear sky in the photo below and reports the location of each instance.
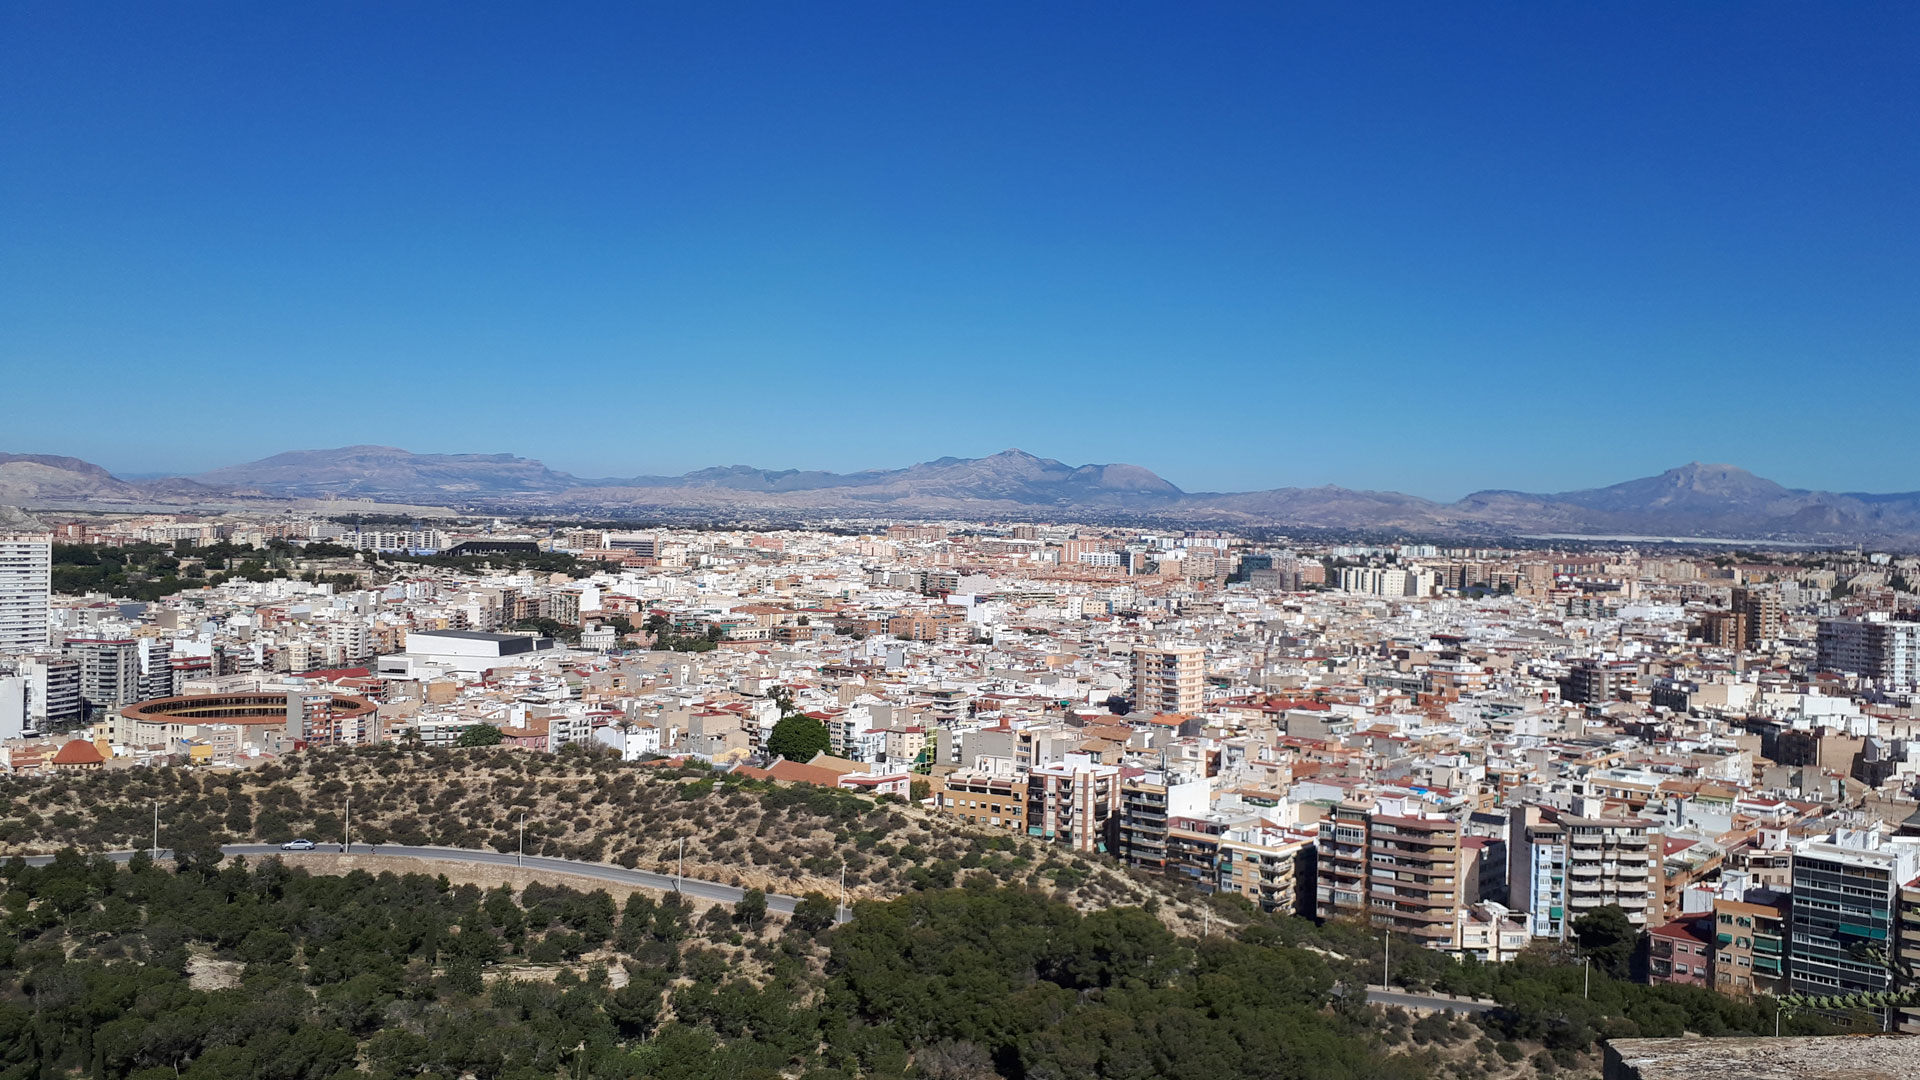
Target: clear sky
(1424, 247)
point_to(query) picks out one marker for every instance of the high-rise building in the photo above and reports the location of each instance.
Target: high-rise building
(1169, 678)
(156, 668)
(1537, 871)
(1884, 650)
(1147, 802)
(52, 686)
(1613, 861)
(1759, 612)
(1595, 682)
(1076, 802)
(1752, 617)
(1845, 912)
(26, 590)
(1562, 866)
(1402, 873)
(109, 672)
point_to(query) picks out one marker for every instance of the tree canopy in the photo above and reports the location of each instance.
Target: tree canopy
(1608, 938)
(479, 735)
(798, 738)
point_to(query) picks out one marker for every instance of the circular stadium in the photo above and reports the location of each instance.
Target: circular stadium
(262, 708)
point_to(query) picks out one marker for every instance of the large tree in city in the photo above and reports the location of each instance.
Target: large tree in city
(798, 738)
(1608, 937)
(479, 735)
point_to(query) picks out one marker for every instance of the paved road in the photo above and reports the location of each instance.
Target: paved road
(619, 875)
(1408, 1000)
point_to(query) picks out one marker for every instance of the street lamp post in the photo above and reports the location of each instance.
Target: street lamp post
(1586, 976)
(156, 830)
(840, 915)
(1386, 965)
(681, 875)
(523, 838)
(346, 830)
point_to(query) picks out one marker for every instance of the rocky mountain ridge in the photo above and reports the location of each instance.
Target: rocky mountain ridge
(1694, 500)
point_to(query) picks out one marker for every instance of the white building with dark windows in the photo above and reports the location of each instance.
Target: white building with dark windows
(26, 590)
(1884, 650)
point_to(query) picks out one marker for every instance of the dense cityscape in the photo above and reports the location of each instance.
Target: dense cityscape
(1039, 541)
(1475, 748)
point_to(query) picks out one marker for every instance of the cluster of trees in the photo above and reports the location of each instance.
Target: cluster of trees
(116, 972)
(545, 562)
(104, 972)
(153, 571)
(479, 735)
(579, 804)
(1566, 999)
(137, 571)
(552, 628)
(664, 638)
(796, 736)
(976, 968)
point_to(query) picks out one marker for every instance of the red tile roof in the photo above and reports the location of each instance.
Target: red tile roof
(78, 752)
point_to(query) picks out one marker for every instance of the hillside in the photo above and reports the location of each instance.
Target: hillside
(34, 478)
(577, 806)
(986, 960)
(387, 472)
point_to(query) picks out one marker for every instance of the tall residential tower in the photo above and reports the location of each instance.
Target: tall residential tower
(26, 590)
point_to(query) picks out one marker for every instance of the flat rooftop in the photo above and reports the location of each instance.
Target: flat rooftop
(1822, 1057)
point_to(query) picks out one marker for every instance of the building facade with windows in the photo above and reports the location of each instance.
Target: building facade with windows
(1169, 679)
(26, 590)
(1844, 921)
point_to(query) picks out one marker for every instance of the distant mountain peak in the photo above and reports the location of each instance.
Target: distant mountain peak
(1692, 500)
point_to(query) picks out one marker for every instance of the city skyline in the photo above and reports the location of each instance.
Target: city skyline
(1383, 248)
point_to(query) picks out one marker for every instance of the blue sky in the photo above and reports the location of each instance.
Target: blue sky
(1430, 248)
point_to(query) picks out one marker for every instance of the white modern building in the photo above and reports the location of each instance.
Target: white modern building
(1884, 650)
(26, 590)
(462, 652)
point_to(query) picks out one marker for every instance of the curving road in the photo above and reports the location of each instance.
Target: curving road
(1407, 999)
(619, 875)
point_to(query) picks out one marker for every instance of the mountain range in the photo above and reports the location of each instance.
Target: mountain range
(1695, 500)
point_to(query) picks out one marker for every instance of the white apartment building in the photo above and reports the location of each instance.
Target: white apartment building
(402, 540)
(1388, 581)
(1537, 872)
(1561, 866)
(350, 638)
(1877, 648)
(26, 590)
